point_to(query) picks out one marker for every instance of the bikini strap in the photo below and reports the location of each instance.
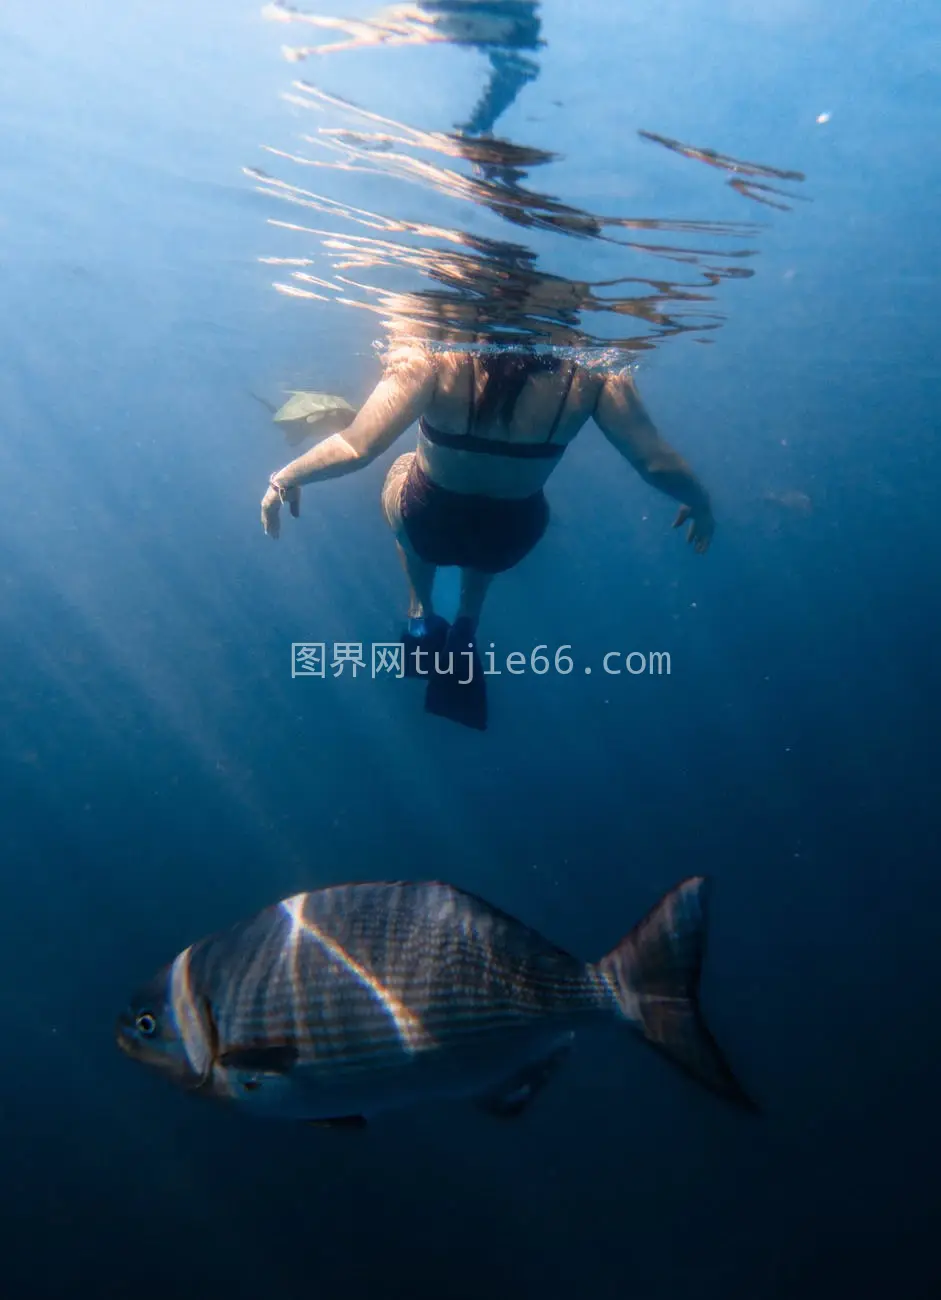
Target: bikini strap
(472, 397)
(565, 397)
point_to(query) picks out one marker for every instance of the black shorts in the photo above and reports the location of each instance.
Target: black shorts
(491, 534)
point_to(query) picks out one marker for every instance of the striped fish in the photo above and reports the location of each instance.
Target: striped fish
(334, 1005)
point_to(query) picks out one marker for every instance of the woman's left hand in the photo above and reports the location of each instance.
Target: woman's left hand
(701, 527)
(271, 507)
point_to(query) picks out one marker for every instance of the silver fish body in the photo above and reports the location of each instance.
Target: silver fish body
(340, 1003)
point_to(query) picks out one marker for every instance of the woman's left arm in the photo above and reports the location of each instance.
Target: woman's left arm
(395, 403)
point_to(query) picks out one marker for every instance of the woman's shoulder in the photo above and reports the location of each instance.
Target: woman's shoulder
(408, 361)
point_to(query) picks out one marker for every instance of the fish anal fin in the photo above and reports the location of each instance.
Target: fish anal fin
(515, 1094)
(266, 1058)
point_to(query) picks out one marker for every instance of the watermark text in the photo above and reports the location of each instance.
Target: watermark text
(390, 659)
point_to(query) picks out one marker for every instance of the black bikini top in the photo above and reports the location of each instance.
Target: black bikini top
(470, 441)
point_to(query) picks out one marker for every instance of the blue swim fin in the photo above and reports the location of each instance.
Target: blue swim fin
(422, 639)
(457, 688)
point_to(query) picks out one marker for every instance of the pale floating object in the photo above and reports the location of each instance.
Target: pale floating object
(312, 407)
(798, 503)
(823, 119)
(316, 415)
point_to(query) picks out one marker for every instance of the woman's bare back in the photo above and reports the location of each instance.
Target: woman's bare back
(551, 408)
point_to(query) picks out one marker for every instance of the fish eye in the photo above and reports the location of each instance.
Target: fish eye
(145, 1022)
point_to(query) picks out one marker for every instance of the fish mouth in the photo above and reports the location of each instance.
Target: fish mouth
(123, 1039)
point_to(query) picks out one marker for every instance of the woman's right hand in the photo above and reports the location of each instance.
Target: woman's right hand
(271, 506)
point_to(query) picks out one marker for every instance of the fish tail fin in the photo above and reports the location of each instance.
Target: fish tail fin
(264, 402)
(654, 974)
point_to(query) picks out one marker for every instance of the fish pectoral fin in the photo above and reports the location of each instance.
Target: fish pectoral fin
(340, 1122)
(267, 1058)
(513, 1095)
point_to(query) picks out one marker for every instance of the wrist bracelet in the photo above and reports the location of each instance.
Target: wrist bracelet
(282, 492)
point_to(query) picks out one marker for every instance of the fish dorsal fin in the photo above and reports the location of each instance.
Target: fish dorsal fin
(266, 1058)
(514, 1094)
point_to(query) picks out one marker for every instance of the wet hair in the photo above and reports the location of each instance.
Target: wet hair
(506, 373)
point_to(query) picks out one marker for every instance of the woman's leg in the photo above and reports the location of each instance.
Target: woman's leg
(424, 633)
(474, 587)
(419, 574)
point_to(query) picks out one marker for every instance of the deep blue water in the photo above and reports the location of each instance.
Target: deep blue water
(162, 775)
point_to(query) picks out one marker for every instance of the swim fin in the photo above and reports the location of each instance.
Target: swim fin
(427, 635)
(459, 691)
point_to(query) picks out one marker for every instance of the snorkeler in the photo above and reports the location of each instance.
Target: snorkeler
(492, 428)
